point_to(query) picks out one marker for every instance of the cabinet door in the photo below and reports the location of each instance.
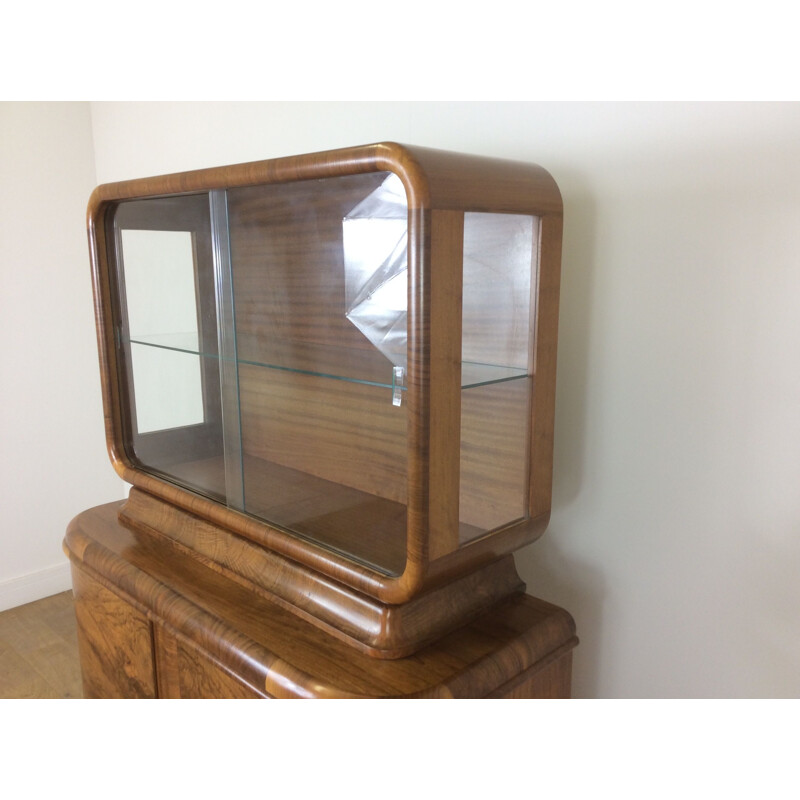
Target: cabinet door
(115, 643)
(319, 275)
(261, 336)
(166, 331)
(186, 672)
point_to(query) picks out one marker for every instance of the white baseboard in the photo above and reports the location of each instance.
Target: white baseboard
(34, 586)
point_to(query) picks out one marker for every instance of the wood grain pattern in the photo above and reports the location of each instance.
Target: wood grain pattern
(543, 399)
(185, 672)
(290, 276)
(203, 679)
(167, 664)
(494, 455)
(551, 681)
(368, 528)
(343, 432)
(262, 645)
(432, 178)
(114, 641)
(39, 650)
(447, 236)
(439, 186)
(258, 644)
(385, 631)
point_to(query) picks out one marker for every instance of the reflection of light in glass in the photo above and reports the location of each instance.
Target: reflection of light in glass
(498, 249)
(376, 268)
(393, 295)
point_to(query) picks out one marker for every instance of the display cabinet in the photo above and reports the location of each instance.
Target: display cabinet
(331, 378)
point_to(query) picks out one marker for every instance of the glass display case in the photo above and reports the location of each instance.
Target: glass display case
(345, 359)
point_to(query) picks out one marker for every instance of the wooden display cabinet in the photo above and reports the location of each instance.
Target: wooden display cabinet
(330, 381)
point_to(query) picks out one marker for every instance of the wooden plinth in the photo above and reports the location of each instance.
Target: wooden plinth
(155, 622)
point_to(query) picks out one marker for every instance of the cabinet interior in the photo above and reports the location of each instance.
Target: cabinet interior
(262, 342)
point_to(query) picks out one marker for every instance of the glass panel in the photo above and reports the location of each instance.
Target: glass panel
(167, 389)
(319, 282)
(376, 268)
(496, 373)
(263, 343)
(162, 260)
(168, 340)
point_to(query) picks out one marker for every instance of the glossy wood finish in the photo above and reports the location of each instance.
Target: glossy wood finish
(364, 529)
(383, 631)
(440, 188)
(359, 437)
(206, 635)
(447, 235)
(115, 642)
(187, 672)
(494, 455)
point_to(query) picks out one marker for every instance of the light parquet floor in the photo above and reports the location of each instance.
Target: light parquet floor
(39, 650)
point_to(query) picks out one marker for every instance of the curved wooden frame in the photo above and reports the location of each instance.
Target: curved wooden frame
(440, 186)
(153, 623)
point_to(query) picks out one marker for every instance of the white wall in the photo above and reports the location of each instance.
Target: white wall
(53, 462)
(675, 536)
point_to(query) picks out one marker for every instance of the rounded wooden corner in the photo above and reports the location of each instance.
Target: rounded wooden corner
(430, 178)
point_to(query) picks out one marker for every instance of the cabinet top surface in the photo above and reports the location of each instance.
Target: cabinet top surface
(432, 178)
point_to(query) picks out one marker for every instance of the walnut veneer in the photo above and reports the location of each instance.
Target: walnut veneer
(339, 516)
(154, 621)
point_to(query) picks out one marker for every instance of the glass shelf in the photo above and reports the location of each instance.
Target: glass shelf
(181, 342)
(472, 374)
(264, 331)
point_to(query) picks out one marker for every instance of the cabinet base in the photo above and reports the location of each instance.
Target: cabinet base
(156, 622)
(376, 628)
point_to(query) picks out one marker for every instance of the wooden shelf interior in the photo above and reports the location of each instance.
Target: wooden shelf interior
(319, 446)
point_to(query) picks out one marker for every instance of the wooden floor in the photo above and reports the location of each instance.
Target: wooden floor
(39, 650)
